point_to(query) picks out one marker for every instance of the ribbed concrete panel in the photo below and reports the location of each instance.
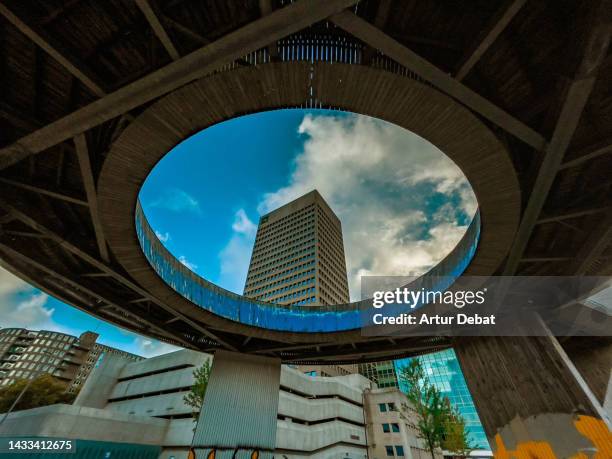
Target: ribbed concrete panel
(240, 406)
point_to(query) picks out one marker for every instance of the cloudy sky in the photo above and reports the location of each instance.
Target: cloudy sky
(403, 205)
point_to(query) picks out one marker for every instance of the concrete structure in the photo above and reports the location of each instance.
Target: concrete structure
(26, 354)
(382, 373)
(391, 426)
(498, 114)
(142, 403)
(298, 256)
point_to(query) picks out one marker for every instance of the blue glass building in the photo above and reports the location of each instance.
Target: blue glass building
(443, 370)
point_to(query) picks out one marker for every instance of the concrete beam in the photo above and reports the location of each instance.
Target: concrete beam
(69, 63)
(80, 143)
(594, 51)
(572, 214)
(497, 26)
(158, 28)
(588, 156)
(198, 64)
(599, 240)
(35, 189)
(376, 38)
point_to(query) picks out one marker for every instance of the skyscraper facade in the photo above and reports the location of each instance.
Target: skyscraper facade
(27, 354)
(443, 370)
(298, 256)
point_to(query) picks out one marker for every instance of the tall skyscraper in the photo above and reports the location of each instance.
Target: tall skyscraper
(298, 257)
(27, 354)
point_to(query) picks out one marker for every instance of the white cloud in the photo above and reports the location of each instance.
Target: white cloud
(236, 254)
(243, 225)
(177, 200)
(148, 347)
(390, 189)
(22, 305)
(187, 263)
(163, 237)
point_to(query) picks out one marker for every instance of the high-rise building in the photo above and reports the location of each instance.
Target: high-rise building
(27, 354)
(298, 256)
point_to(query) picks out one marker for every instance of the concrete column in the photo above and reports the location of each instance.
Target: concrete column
(532, 400)
(592, 356)
(238, 417)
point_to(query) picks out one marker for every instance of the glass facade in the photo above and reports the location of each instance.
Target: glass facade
(442, 369)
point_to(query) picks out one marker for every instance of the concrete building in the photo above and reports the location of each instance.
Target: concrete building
(298, 256)
(382, 373)
(26, 354)
(391, 426)
(140, 404)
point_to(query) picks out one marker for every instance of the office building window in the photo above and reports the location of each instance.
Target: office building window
(386, 428)
(389, 450)
(382, 407)
(395, 427)
(399, 450)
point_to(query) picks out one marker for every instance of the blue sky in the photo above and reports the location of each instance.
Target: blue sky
(402, 203)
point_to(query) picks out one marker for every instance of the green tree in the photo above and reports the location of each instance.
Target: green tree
(432, 409)
(44, 390)
(195, 397)
(456, 435)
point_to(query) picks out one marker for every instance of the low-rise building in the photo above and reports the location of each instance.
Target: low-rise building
(141, 403)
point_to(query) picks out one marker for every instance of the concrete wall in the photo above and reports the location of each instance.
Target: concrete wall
(79, 422)
(403, 416)
(99, 385)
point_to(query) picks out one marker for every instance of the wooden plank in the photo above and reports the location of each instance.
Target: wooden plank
(158, 28)
(53, 194)
(80, 143)
(594, 50)
(198, 64)
(497, 26)
(68, 62)
(412, 61)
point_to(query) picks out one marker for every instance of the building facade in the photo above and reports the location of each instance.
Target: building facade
(443, 370)
(382, 373)
(392, 426)
(27, 354)
(298, 256)
(141, 403)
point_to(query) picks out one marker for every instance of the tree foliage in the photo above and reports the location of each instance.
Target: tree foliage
(456, 434)
(439, 425)
(44, 390)
(195, 397)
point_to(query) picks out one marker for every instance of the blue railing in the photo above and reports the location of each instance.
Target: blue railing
(295, 318)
